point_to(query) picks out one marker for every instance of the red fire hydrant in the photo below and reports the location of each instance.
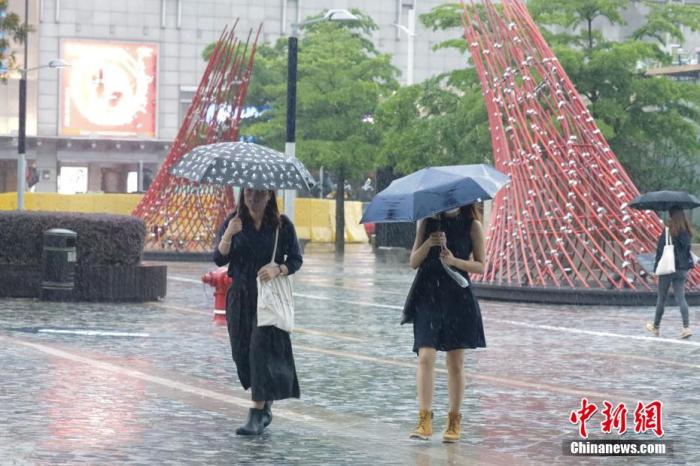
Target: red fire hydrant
(220, 281)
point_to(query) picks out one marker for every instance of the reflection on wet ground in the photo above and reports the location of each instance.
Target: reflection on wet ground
(154, 384)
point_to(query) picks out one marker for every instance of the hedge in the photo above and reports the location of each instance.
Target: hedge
(103, 240)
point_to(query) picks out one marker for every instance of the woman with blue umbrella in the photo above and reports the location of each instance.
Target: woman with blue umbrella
(449, 245)
(446, 316)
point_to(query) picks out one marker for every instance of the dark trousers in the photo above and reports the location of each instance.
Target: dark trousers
(676, 279)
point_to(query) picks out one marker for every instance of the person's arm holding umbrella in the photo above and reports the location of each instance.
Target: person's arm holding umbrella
(471, 266)
(421, 246)
(231, 227)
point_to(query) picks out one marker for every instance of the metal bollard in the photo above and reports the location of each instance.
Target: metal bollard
(58, 262)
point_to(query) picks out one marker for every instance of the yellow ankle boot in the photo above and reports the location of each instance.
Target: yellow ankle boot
(454, 428)
(424, 429)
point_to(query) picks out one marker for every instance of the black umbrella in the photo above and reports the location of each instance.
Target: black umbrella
(243, 164)
(664, 200)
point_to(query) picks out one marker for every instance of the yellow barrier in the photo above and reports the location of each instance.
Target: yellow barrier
(314, 218)
(51, 202)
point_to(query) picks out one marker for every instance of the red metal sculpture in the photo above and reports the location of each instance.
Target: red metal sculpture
(181, 215)
(564, 220)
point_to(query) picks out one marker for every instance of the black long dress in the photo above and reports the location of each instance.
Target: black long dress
(445, 316)
(263, 355)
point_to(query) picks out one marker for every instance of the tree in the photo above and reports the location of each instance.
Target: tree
(341, 78)
(651, 124)
(438, 122)
(441, 121)
(11, 29)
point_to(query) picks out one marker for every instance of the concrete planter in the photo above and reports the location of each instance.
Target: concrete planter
(134, 283)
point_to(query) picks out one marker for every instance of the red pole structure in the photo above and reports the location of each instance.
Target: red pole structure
(182, 216)
(564, 220)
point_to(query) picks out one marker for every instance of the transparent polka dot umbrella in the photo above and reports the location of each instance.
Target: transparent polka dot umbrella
(243, 164)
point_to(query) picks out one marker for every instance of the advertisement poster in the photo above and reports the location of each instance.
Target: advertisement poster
(109, 89)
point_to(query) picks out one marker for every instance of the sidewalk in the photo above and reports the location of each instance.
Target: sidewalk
(154, 383)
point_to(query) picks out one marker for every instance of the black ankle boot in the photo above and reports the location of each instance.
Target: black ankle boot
(267, 413)
(254, 425)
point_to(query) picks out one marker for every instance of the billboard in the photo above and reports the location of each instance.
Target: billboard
(109, 89)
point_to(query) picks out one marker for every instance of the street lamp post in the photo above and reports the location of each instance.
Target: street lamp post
(21, 151)
(290, 145)
(411, 33)
(22, 133)
(22, 130)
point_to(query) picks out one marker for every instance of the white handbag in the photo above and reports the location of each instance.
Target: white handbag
(275, 299)
(667, 263)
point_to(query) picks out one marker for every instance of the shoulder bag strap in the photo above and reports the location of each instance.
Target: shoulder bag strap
(274, 250)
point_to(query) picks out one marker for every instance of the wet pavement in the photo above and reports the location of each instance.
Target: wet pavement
(154, 383)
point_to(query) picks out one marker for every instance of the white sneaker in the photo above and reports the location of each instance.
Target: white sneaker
(686, 332)
(651, 329)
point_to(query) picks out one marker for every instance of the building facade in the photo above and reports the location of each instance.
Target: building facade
(135, 65)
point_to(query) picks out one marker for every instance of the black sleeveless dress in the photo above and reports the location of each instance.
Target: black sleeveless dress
(445, 316)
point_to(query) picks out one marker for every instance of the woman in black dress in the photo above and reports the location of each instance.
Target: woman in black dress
(445, 315)
(263, 355)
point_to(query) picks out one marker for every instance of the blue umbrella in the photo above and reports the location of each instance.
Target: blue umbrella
(433, 190)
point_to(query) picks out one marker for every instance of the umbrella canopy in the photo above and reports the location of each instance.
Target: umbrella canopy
(243, 164)
(433, 190)
(664, 200)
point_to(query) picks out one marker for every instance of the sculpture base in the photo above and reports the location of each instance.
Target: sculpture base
(582, 296)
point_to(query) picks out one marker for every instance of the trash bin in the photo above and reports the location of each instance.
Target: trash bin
(58, 265)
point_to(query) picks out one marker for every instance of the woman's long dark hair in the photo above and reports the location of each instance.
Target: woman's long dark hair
(271, 217)
(678, 222)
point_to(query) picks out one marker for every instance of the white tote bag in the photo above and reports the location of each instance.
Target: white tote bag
(667, 263)
(275, 300)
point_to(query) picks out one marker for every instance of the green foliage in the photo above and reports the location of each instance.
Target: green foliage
(437, 122)
(575, 13)
(650, 123)
(668, 18)
(341, 78)
(441, 121)
(11, 29)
